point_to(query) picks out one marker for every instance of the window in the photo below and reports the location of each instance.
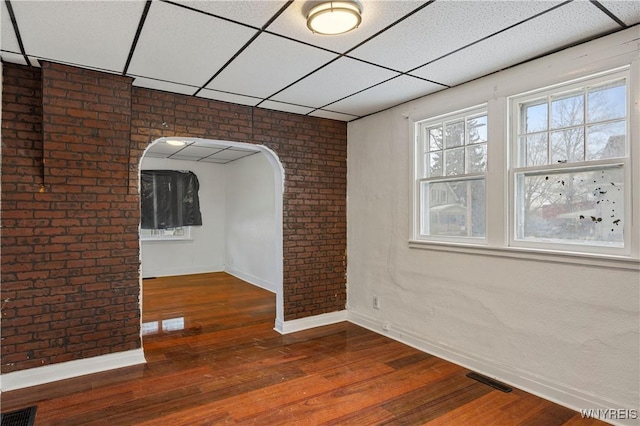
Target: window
(571, 166)
(564, 163)
(450, 176)
(180, 232)
(169, 203)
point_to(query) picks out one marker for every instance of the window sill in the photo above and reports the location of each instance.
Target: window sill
(166, 240)
(601, 261)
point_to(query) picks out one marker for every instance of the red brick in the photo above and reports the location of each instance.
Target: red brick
(98, 125)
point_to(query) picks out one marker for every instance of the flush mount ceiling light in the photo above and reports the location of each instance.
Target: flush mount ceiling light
(334, 17)
(175, 142)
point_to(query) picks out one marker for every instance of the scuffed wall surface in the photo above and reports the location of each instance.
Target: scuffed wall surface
(573, 328)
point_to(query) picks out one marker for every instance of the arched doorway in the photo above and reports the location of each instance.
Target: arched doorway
(228, 154)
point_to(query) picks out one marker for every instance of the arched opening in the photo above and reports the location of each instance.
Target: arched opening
(248, 180)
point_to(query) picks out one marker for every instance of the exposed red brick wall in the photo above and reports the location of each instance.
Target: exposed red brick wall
(313, 153)
(71, 290)
(70, 264)
(25, 323)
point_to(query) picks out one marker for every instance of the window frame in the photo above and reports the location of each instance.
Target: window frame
(419, 174)
(161, 235)
(514, 168)
(496, 92)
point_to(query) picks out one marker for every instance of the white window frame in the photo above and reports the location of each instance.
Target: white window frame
(171, 234)
(499, 198)
(419, 175)
(515, 169)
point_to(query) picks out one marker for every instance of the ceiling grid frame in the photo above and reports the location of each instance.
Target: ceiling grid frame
(26, 41)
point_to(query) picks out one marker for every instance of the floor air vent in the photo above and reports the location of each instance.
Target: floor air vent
(487, 381)
(24, 417)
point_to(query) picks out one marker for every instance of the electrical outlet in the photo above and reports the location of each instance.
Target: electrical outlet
(376, 302)
(386, 326)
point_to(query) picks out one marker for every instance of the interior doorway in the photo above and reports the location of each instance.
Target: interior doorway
(241, 187)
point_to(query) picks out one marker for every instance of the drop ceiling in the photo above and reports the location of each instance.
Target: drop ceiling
(260, 53)
(202, 150)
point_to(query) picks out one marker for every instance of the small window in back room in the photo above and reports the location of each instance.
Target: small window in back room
(169, 203)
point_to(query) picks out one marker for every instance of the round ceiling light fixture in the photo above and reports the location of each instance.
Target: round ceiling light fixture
(334, 17)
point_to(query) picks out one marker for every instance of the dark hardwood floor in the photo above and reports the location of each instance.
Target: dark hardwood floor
(214, 358)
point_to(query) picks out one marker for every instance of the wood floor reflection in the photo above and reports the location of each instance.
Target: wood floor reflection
(214, 358)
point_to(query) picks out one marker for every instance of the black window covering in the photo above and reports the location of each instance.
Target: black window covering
(169, 199)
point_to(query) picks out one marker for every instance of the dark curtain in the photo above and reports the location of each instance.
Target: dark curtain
(169, 199)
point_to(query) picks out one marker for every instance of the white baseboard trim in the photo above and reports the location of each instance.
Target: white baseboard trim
(286, 327)
(203, 269)
(570, 398)
(251, 279)
(67, 370)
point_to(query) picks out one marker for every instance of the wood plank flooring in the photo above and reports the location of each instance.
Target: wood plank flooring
(214, 358)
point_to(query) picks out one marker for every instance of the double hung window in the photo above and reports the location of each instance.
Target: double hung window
(452, 163)
(561, 180)
(570, 166)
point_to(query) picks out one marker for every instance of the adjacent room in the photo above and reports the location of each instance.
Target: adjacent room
(245, 212)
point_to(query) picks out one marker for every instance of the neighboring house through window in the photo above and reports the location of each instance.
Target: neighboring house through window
(452, 156)
(571, 166)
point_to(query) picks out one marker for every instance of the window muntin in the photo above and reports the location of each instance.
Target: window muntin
(450, 176)
(570, 169)
(573, 126)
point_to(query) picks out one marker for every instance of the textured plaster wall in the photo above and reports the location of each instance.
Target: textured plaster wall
(568, 330)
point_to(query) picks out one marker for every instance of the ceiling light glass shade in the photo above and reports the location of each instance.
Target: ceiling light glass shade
(175, 142)
(334, 17)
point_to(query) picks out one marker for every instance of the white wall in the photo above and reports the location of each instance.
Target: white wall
(205, 251)
(568, 332)
(251, 221)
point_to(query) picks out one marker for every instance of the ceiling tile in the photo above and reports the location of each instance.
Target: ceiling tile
(92, 33)
(335, 81)
(242, 149)
(279, 106)
(228, 97)
(265, 57)
(165, 86)
(8, 39)
(255, 13)
(214, 160)
(164, 148)
(444, 26)
(332, 115)
(185, 157)
(207, 144)
(152, 154)
(177, 44)
(385, 95)
(376, 15)
(627, 11)
(229, 154)
(14, 58)
(563, 26)
(199, 151)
